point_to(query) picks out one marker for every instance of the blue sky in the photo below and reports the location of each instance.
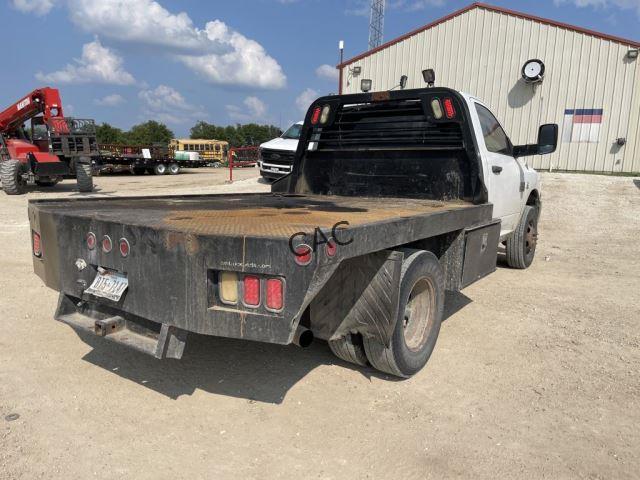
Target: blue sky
(127, 61)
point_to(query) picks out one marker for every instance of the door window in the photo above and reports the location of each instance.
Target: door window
(495, 139)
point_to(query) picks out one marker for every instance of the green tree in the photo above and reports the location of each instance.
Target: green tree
(148, 133)
(105, 133)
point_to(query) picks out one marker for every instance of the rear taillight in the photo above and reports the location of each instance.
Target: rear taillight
(331, 248)
(37, 245)
(251, 286)
(303, 254)
(315, 116)
(107, 244)
(449, 110)
(229, 287)
(275, 294)
(91, 241)
(124, 247)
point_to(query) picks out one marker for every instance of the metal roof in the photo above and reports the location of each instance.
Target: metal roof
(493, 8)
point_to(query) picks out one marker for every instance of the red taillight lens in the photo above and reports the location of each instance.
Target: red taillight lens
(37, 246)
(315, 116)
(275, 298)
(449, 110)
(124, 247)
(251, 291)
(107, 245)
(91, 241)
(303, 254)
(331, 248)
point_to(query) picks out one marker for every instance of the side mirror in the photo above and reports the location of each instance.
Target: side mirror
(547, 142)
(403, 82)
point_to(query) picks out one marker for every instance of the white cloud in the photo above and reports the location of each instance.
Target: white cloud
(166, 104)
(604, 4)
(327, 72)
(254, 110)
(98, 64)
(112, 100)
(218, 53)
(138, 21)
(246, 63)
(37, 7)
(305, 99)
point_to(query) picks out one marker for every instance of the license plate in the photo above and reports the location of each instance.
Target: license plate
(110, 285)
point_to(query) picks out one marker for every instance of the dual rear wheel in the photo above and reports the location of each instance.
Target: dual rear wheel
(162, 169)
(420, 311)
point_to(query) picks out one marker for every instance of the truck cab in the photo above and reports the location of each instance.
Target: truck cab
(511, 182)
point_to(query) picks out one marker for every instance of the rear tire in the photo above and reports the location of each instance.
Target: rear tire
(11, 176)
(84, 177)
(420, 310)
(350, 349)
(174, 168)
(160, 169)
(521, 244)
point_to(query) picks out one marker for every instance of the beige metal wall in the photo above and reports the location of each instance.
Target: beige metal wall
(482, 52)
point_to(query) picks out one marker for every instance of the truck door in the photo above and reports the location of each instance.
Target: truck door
(503, 174)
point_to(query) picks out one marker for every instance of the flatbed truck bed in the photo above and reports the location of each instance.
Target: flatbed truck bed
(387, 207)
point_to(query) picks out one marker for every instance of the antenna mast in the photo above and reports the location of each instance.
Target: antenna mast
(376, 23)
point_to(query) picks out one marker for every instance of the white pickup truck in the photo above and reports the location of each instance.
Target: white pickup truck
(276, 156)
(394, 198)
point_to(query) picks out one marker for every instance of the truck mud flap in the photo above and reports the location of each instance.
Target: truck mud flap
(157, 340)
(361, 296)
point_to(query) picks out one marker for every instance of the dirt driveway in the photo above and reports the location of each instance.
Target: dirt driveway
(535, 375)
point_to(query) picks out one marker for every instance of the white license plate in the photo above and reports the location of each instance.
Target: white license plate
(109, 285)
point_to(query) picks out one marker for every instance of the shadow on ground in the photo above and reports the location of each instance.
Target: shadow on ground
(636, 183)
(242, 369)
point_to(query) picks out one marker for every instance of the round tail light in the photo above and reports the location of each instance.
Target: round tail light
(107, 245)
(124, 247)
(91, 241)
(331, 248)
(303, 254)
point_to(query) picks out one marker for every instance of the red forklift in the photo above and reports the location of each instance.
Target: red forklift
(50, 149)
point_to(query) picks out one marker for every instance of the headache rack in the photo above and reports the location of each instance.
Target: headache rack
(388, 125)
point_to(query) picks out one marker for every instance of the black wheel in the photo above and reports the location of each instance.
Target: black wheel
(11, 176)
(84, 177)
(350, 349)
(174, 168)
(139, 170)
(160, 169)
(521, 244)
(420, 310)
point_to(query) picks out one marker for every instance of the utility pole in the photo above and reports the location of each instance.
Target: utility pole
(376, 23)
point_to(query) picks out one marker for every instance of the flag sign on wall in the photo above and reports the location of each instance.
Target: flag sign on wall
(582, 125)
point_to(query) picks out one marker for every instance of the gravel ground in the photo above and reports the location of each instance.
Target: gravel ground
(535, 374)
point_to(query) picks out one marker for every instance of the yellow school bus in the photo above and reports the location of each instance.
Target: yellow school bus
(210, 150)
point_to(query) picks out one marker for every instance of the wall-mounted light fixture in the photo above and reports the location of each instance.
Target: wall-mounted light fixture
(533, 71)
(633, 53)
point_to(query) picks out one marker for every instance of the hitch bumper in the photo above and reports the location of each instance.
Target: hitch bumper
(158, 340)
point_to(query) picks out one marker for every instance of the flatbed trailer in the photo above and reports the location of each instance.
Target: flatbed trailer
(140, 159)
(387, 208)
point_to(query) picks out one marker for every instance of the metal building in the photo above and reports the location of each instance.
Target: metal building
(590, 83)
